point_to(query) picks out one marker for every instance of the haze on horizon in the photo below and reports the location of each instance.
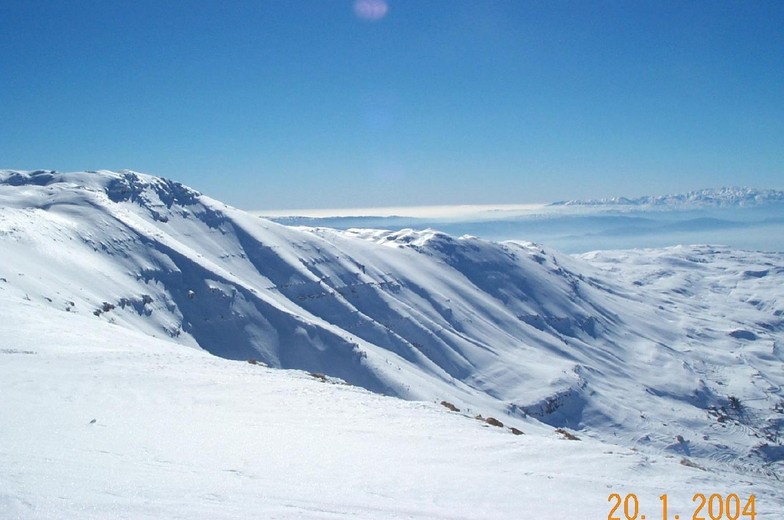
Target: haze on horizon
(384, 103)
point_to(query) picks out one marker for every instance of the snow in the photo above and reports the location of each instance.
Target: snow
(104, 422)
(136, 302)
(722, 197)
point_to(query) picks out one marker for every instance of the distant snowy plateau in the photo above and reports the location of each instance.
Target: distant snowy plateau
(132, 304)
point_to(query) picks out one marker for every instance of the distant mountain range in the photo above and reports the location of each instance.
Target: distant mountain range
(707, 198)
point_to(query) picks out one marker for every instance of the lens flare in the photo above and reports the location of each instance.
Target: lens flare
(371, 10)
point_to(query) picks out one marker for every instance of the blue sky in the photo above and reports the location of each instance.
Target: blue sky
(305, 104)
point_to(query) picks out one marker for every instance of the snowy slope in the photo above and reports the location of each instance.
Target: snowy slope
(98, 421)
(673, 352)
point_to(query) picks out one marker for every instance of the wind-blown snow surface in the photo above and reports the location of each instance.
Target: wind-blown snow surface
(676, 353)
(102, 422)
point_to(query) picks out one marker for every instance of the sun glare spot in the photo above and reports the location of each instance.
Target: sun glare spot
(371, 10)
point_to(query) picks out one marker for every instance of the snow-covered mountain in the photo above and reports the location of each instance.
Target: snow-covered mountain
(675, 352)
(98, 421)
(706, 198)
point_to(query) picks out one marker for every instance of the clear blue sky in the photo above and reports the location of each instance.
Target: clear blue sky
(294, 104)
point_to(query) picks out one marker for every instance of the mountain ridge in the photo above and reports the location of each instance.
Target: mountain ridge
(705, 198)
(512, 328)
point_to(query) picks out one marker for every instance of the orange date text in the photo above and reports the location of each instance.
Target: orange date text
(704, 507)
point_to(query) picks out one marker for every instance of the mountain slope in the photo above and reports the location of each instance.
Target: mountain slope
(677, 351)
(99, 421)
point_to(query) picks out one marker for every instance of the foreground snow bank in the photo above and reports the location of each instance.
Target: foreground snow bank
(102, 422)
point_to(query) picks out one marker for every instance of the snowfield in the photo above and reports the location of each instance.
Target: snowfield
(103, 422)
(132, 304)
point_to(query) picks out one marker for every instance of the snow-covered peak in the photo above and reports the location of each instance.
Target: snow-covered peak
(118, 186)
(638, 348)
(706, 198)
